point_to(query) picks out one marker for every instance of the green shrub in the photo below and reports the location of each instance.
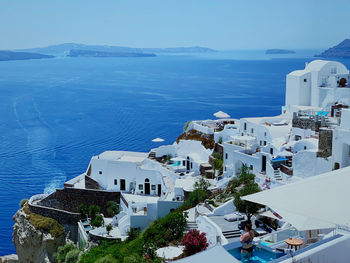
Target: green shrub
(186, 125)
(98, 221)
(72, 256)
(23, 202)
(93, 211)
(112, 208)
(133, 233)
(62, 251)
(83, 211)
(194, 198)
(134, 258)
(107, 259)
(218, 164)
(217, 155)
(109, 227)
(43, 223)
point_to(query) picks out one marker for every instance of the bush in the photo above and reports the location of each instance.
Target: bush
(112, 208)
(217, 155)
(218, 164)
(62, 251)
(23, 202)
(107, 259)
(194, 242)
(72, 256)
(134, 258)
(109, 228)
(43, 223)
(194, 198)
(98, 221)
(246, 207)
(167, 229)
(93, 211)
(83, 211)
(133, 233)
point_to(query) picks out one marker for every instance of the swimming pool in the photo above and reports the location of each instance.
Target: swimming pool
(260, 255)
(176, 164)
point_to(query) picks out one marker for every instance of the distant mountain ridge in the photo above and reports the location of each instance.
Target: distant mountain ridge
(10, 55)
(103, 54)
(342, 50)
(64, 49)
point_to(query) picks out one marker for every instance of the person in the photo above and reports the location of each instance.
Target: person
(247, 242)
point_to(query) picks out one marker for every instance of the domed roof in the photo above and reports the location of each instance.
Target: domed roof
(317, 65)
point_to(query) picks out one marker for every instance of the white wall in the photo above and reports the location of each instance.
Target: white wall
(226, 208)
(305, 164)
(213, 231)
(337, 250)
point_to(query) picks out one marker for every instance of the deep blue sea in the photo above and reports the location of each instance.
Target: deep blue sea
(57, 113)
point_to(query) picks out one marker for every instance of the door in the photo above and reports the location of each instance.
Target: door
(263, 164)
(188, 164)
(159, 190)
(122, 184)
(147, 188)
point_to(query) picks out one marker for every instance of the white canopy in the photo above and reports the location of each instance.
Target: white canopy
(158, 140)
(177, 159)
(313, 203)
(169, 252)
(221, 114)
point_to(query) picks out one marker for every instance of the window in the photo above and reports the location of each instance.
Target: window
(304, 147)
(264, 143)
(99, 172)
(297, 137)
(334, 70)
(305, 80)
(225, 168)
(245, 126)
(191, 165)
(140, 186)
(153, 187)
(226, 155)
(271, 151)
(265, 134)
(147, 180)
(184, 163)
(251, 167)
(251, 130)
(260, 143)
(115, 181)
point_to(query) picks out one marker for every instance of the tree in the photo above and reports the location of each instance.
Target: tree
(93, 211)
(133, 233)
(194, 242)
(112, 208)
(109, 228)
(247, 207)
(97, 221)
(83, 211)
(202, 184)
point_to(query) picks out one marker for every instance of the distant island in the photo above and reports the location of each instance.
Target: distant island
(342, 50)
(103, 54)
(11, 55)
(64, 49)
(279, 51)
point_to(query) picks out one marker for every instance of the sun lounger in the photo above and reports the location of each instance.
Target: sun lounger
(234, 217)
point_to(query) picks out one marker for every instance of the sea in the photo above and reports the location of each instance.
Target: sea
(55, 114)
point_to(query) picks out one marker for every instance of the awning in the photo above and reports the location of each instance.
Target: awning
(269, 214)
(221, 114)
(158, 140)
(313, 203)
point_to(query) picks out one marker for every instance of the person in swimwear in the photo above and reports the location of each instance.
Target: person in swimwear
(247, 242)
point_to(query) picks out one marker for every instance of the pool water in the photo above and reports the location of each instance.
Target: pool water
(260, 255)
(176, 164)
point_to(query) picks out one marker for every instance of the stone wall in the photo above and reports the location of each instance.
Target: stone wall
(91, 183)
(306, 123)
(68, 199)
(325, 143)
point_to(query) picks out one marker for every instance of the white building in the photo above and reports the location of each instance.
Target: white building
(320, 84)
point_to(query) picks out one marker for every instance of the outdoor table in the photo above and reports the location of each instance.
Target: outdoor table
(294, 242)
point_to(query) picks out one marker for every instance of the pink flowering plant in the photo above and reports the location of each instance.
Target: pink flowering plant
(194, 242)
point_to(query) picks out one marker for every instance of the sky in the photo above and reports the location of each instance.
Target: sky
(219, 24)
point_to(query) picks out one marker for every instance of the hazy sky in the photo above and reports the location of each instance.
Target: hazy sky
(221, 24)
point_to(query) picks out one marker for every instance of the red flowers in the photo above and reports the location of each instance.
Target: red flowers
(194, 242)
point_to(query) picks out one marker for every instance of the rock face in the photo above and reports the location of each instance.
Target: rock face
(32, 245)
(9, 259)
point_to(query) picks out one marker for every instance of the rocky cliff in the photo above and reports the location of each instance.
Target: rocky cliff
(35, 244)
(342, 50)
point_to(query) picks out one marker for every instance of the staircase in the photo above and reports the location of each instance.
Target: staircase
(231, 233)
(277, 175)
(152, 155)
(191, 225)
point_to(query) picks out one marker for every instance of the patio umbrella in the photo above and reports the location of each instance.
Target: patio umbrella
(158, 140)
(221, 114)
